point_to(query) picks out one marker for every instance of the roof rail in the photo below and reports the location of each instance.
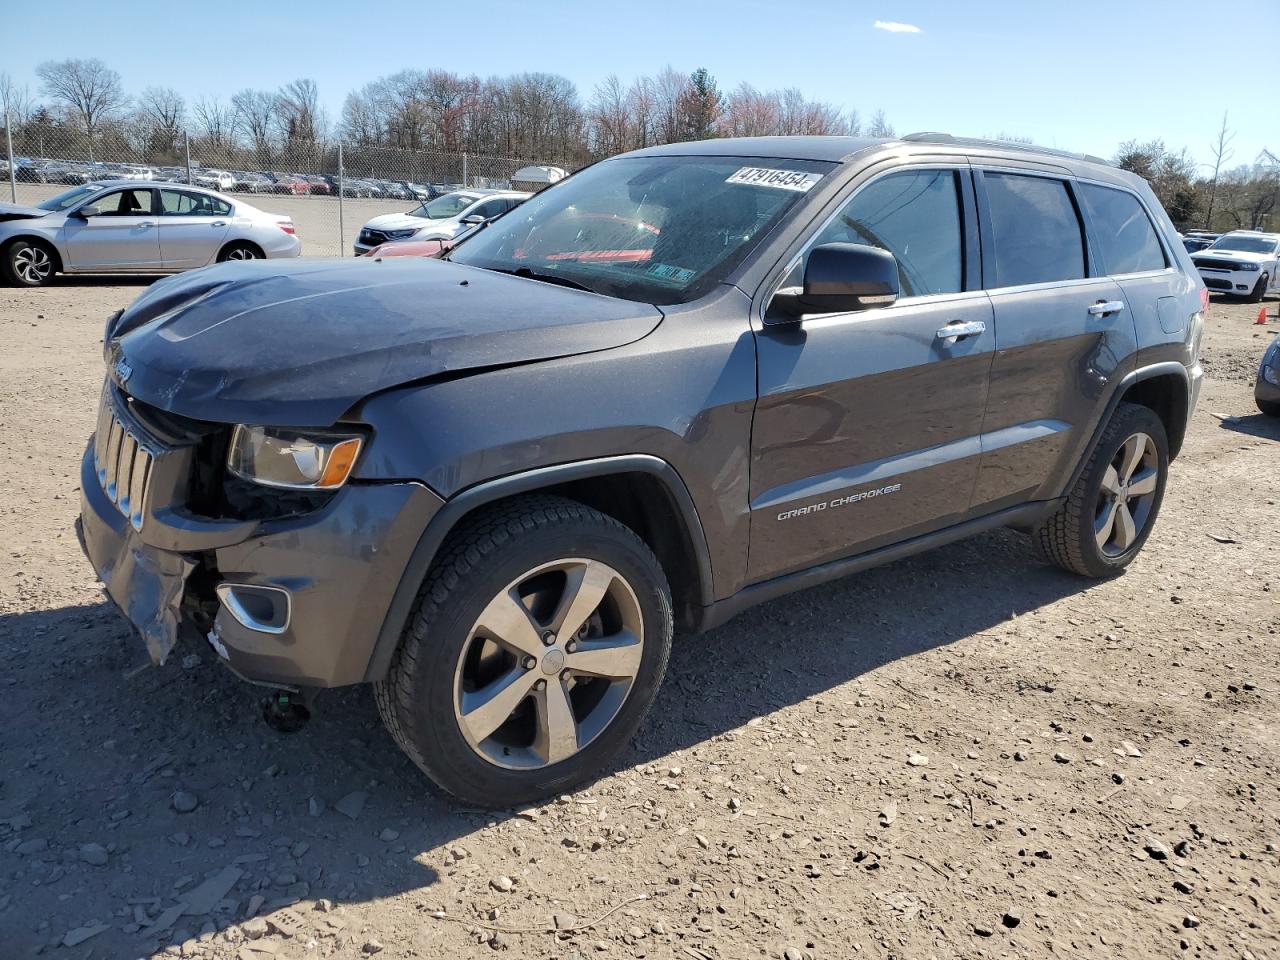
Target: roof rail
(929, 136)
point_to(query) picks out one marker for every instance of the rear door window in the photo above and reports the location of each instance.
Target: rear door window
(1036, 230)
(1126, 239)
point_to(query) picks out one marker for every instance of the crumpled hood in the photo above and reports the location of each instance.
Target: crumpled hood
(14, 211)
(298, 342)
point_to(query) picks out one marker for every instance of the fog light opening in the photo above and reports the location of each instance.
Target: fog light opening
(262, 609)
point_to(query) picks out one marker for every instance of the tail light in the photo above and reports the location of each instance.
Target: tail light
(287, 227)
(1204, 299)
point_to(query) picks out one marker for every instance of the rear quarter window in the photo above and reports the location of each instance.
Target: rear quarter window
(1036, 230)
(1126, 239)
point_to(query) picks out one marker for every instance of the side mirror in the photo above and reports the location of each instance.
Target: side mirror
(842, 277)
(86, 212)
(473, 219)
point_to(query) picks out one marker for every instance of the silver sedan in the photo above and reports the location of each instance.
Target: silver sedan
(132, 226)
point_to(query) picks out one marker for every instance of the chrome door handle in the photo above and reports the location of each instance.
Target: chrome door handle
(954, 331)
(218, 223)
(1104, 307)
(147, 223)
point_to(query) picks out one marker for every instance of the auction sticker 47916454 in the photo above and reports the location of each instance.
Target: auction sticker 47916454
(800, 181)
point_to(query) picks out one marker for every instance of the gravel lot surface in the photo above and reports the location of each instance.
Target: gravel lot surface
(963, 754)
(322, 232)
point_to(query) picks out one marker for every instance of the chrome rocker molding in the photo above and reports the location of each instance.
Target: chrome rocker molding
(528, 482)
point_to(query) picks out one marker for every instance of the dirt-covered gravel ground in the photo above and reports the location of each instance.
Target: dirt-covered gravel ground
(964, 754)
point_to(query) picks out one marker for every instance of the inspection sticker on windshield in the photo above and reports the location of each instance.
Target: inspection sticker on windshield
(665, 271)
(798, 180)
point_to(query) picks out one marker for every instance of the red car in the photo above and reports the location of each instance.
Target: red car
(288, 183)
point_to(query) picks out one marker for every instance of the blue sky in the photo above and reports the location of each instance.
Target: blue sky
(1081, 75)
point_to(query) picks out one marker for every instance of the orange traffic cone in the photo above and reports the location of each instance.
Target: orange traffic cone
(1262, 317)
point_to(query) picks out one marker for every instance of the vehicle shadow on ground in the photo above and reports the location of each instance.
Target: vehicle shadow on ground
(93, 756)
(105, 280)
(1255, 425)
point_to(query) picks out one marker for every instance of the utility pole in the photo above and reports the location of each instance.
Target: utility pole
(342, 188)
(186, 143)
(13, 164)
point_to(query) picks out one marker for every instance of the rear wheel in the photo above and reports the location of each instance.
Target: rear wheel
(240, 250)
(536, 648)
(29, 263)
(1112, 507)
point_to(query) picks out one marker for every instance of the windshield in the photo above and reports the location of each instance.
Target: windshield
(661, 229)
(1245, 244)
(442, 208)
(68, 198)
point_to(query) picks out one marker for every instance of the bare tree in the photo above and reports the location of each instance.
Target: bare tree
(1221, 150)
(214, 123)
(90, 90)
(15, 101)
(162, 114)
(298, 111)
(255, 113)
(609, 117)
(880, 126)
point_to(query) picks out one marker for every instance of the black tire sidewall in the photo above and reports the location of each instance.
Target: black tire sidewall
(429, 720)
(1127, 420)
(11, 274)
(1269, 408)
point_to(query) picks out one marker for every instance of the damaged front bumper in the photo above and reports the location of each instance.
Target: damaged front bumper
(174, 575)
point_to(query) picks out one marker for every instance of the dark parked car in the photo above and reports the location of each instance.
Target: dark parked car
(683, 381)
(1266, 391)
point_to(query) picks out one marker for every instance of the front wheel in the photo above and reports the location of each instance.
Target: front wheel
(536, 647)
(1269, 407)
(1259, 290)
(29, 263)
(1111, 508)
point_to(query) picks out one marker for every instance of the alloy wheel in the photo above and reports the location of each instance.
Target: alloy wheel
(241, 253)
(548, 664)
(1127, 493)
(32, 264)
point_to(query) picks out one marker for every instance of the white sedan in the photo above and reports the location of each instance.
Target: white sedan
(440, 219)
(131, 226)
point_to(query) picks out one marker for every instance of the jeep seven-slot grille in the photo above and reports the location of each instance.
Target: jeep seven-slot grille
(123, 463)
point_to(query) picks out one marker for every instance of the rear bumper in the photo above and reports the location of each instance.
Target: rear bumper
(339, 567)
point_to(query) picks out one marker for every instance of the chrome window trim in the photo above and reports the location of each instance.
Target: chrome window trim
(1169, 258)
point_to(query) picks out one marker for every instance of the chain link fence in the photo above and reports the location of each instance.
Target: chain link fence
(329, 188)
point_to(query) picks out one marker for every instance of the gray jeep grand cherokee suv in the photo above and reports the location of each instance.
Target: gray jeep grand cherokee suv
(680, 382)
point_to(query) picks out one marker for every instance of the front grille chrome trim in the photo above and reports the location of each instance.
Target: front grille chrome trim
(123, 462)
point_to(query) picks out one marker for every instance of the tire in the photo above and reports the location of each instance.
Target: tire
(29, 263)
(1078, 537)
(438, 699)
(1269, 407)
(1259, 290)
(239, 250)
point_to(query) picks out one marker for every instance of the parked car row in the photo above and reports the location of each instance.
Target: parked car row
(72, 172)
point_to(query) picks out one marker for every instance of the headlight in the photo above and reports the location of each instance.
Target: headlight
(1247, 267)
(400, 234)
(293, 460)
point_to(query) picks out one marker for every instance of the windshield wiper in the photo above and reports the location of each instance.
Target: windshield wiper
(529, 274)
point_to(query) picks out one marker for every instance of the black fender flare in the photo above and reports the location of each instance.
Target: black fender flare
(1161, 369)
(529, 481)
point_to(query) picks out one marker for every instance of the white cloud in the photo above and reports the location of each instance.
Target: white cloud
(892, 26)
